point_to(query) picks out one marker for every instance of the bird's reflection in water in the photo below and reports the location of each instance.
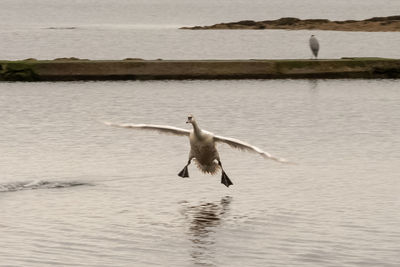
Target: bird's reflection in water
(204, 221)
(313, 86)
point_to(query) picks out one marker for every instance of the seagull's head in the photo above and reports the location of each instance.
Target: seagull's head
(190, 119)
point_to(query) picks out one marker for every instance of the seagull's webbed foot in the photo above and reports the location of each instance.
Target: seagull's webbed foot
(225, 180)
(184, 173)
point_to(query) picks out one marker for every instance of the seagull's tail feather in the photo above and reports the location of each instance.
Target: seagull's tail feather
(207, 168)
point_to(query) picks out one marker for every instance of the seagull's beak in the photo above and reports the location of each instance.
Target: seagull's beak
(187, 121)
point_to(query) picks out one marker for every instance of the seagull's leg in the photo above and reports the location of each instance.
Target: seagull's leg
(224, 178)
(185, 172)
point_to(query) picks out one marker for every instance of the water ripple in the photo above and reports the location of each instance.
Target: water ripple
(39, 184)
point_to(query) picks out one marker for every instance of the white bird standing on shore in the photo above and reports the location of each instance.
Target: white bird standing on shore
(314, 46)
(202, 146)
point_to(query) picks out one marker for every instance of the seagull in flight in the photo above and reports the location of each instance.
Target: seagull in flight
(202, 146)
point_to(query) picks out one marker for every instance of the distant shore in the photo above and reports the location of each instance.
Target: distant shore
(74, 69)
(376, 24)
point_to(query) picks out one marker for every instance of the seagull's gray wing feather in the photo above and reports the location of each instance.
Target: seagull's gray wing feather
(235, 143)
(158, 128)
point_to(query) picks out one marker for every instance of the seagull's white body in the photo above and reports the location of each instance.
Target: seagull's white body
(203, 150)
(314, 45)
(202, 145)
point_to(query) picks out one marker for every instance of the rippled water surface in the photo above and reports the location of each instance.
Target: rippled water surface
(76, 192)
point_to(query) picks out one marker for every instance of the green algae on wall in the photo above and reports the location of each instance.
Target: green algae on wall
(17, 71)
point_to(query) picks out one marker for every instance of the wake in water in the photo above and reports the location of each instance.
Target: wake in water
(38, 184)
(61, 28)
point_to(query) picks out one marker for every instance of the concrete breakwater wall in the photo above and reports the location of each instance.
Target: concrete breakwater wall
(137, 69)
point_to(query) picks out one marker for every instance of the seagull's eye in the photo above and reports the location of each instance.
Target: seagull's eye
(189, 118)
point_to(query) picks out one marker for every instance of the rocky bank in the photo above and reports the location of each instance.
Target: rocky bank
(376, 24)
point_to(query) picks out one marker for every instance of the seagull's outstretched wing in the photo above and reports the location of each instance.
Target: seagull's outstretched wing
(235, 143)
(158, 128)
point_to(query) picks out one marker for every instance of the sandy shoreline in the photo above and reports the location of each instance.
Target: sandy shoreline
(376, 24)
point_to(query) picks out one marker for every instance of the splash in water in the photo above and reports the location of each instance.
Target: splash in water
(38, 184)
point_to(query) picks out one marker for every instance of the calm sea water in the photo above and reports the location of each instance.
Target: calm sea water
(75, 192)
(108, 196)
